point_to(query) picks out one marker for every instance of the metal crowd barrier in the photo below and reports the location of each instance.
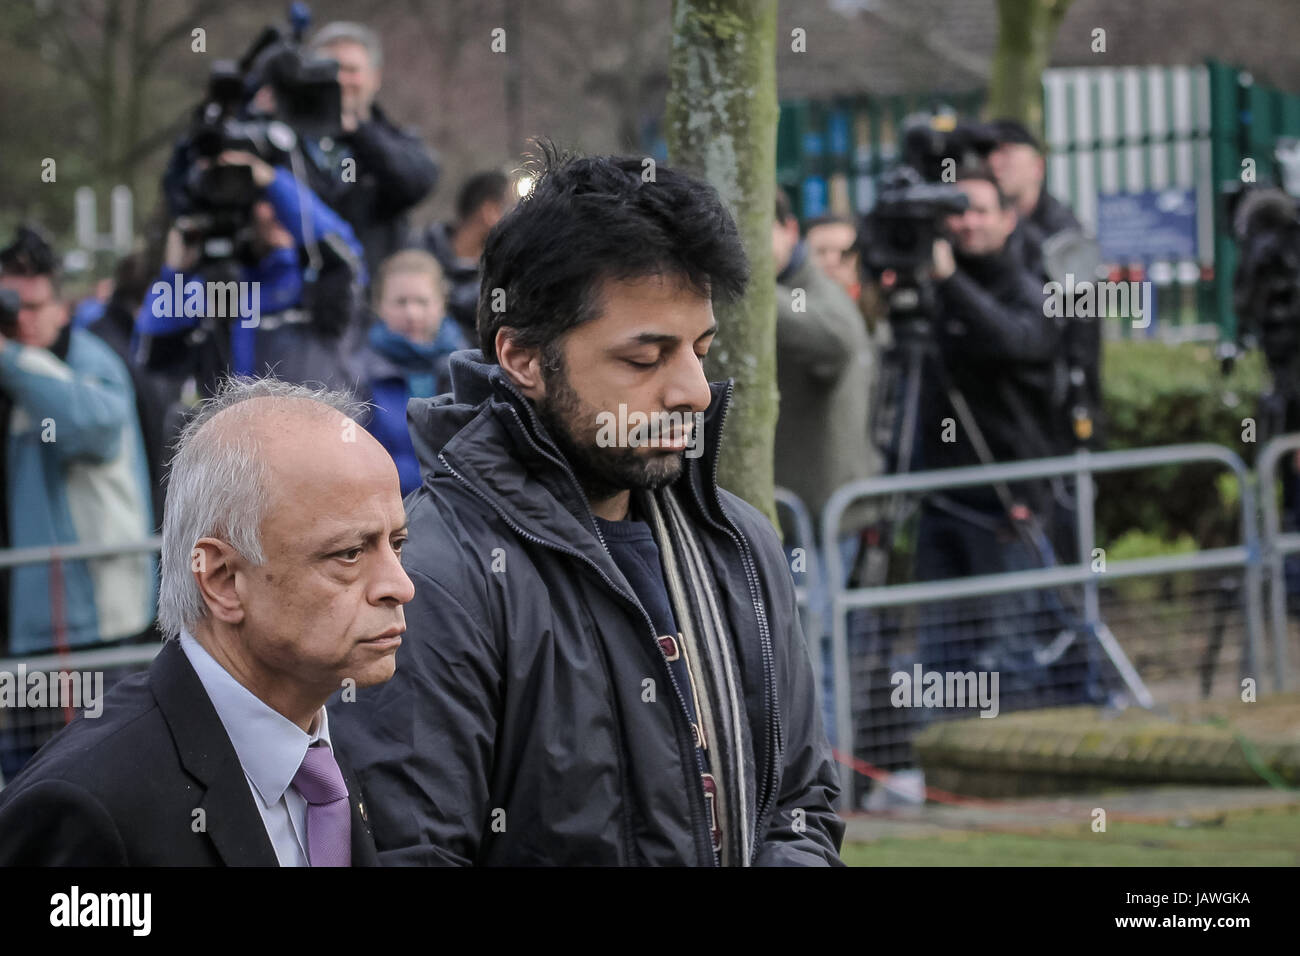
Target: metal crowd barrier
(929, 598)
(1255, 556)
(801, 537)
(23, 730)
(1277, 545)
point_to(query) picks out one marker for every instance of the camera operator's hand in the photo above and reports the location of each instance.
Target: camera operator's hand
(263, 174)
(944, 264)
(178, 254)
(355, 102)
(354, 114)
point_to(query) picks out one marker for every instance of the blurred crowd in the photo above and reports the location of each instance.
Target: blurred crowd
(301, 261)
(320, 278)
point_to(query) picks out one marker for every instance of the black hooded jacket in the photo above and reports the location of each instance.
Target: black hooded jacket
(518, 729)
(999, 350)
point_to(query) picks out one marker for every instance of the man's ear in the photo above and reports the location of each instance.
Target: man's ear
(214, 564)
(523, 365)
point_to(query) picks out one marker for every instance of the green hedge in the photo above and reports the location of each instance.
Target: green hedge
(1160, 394)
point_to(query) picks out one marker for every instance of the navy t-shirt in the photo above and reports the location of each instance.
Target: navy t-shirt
(633, 548)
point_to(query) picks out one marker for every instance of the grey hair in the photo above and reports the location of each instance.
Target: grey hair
(340, 31)
(218, 485)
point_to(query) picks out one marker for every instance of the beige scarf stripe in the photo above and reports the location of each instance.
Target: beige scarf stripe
(691, 648)
(725, 669)
(713, 649)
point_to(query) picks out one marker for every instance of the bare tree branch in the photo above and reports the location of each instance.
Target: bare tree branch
(181, 27)
(75, 57)
(164, 134)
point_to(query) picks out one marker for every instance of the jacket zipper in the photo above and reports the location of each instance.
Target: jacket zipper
(774, 742)
(699, 761)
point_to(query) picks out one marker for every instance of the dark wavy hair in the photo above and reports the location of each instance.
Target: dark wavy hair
(591, 219)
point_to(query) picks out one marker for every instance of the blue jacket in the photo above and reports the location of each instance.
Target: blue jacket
(390, 389)
(76, 474)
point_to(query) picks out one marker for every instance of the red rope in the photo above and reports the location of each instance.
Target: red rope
(931, 793)
(954, 799)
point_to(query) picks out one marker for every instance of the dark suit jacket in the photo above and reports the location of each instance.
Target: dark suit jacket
(124, 789)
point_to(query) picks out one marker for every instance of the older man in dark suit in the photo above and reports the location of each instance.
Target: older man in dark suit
(282, 576)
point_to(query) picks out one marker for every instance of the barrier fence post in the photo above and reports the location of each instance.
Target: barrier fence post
(1254, 599)
(1085, 515)
(1275, 550)
(834, 578)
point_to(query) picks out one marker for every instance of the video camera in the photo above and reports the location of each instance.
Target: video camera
(917, 195)
(896, 251)
(217, 199)
(896, 238)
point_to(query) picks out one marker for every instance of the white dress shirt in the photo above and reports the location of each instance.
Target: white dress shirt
(270, 748)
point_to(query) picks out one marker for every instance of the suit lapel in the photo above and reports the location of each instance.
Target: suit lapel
(233, 824)
(363, 840)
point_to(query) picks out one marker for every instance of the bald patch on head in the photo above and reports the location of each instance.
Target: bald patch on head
(295, 439)
(263, 413)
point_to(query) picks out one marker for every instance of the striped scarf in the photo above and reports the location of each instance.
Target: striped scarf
(711, 651)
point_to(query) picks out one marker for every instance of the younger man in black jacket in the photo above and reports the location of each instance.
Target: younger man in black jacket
(604, 663)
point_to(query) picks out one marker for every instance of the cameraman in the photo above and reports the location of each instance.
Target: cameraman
(1053, 244)
(986, 395)
(73, 468)
(394, 170)
(301, 271)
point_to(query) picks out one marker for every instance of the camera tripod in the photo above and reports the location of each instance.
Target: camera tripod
(911, 302)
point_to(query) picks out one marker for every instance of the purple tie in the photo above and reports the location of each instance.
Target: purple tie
(329, 818)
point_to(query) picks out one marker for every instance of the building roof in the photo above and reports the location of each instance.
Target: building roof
(887, 47)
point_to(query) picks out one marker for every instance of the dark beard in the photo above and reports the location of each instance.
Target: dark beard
(602, 473)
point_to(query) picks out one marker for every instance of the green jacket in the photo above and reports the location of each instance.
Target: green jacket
(825, 370)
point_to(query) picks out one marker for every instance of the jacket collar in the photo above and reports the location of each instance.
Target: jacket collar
(487, 432)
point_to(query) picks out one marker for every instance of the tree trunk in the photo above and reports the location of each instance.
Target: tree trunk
(721, 118)
(1026, 33)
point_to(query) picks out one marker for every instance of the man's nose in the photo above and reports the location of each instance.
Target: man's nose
(688, 386)
(392, 583)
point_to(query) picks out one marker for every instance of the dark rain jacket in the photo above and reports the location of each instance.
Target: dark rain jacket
(1000, 352)
(533, 718)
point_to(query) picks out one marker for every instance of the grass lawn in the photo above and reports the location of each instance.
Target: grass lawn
(1247, 838)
